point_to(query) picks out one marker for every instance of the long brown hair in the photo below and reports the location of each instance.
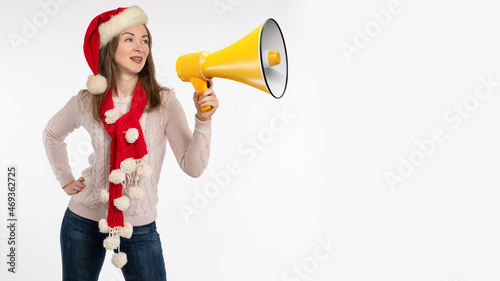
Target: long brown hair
(108, 68)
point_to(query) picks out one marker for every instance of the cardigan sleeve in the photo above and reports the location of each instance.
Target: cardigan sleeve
(191, 149)
(57, 129)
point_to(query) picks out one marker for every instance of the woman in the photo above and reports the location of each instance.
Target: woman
(129, 118)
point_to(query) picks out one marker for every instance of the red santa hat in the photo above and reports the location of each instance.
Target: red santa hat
(101, 30)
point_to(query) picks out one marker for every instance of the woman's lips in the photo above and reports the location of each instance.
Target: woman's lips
(137, 60)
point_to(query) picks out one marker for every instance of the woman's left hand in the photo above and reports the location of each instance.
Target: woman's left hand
(207, 98)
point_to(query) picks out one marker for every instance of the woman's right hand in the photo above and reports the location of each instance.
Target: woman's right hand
(74, 187)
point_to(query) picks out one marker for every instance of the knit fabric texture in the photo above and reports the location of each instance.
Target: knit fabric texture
(165, 125)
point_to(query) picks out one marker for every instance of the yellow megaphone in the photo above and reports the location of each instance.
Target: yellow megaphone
(258, 59)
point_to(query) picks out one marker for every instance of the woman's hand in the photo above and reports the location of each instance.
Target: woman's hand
(207, 98)
(74, 187)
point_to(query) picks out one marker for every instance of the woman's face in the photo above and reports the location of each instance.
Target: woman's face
(132, 50)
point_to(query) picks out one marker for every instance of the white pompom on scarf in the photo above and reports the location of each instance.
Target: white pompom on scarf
(144, 172)
(104, 196)
(132, 135)
(103, 226)
(128, 166)
(122, 203)
(119, 259)
(126, 231)
(111, 243)
(117, 176)
(112, 115)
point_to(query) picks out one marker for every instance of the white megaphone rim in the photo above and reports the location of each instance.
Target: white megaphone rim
(284, 60)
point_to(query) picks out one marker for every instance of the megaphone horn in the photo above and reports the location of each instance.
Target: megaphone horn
(259, 60)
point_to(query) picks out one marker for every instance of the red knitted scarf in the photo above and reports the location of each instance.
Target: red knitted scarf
(127, 166)
(121, 148)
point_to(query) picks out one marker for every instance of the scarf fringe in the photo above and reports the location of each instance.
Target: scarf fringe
(112, 242)
(129, 174)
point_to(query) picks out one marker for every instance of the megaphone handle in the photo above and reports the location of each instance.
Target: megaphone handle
(201, 85)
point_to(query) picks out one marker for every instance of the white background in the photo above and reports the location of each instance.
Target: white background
(352, 120)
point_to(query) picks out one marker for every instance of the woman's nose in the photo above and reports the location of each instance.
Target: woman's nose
(138, 46)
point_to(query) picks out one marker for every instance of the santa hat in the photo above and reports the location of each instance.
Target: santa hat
(101, 30)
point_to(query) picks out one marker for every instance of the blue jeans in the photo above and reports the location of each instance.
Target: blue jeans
(83, 252)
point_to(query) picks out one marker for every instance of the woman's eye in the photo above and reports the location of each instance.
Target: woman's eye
(128, 40)
(145, 41)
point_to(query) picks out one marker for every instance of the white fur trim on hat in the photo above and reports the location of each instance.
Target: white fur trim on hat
(119, 259)
(122, 203)
(97, 84)
(104, 197)
(135, 192)
(103, 226)
(111, 243)
(126, 231)
(112, 115)
(116, 176)
(128, 165)
(127, 18)
(132, 135)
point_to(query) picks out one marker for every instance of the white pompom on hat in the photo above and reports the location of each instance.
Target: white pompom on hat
(101, 31)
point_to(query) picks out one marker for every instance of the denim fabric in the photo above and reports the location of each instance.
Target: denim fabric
(83, 252)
